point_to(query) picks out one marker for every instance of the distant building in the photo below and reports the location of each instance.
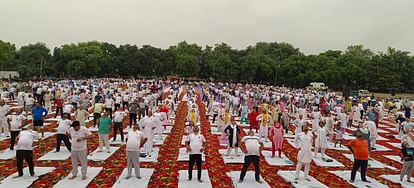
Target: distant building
(9, 74)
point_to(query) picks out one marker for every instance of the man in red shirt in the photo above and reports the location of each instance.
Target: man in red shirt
(252, 119)
(59, 106)
(359, 147)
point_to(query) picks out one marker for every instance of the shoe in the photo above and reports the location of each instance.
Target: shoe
(351, 181)
(240, 181)
(83, 177)
(139, 177)
(127, 177)
(259, 181)
(201, 181)
(366, 181)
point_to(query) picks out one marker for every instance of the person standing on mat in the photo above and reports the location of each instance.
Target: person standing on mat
(134, 141)
(24, 150)
(97, 110)
(61, 135)
(233, 133)
(304, 143)
(109, 104)
(195, 146)
(264, 120)
(79, 135)
(38, 114)
(359, 147)
(252, 119)
(4, 111)
(103, 132)
(321, 139)
(407, 157)
(254, 146)
(16, 122)
(80, 115)
(118, 119)
(59, 106)
(148, 125)
(276, 135)
(133, 110)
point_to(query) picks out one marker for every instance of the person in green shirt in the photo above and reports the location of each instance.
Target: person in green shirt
(103, 131)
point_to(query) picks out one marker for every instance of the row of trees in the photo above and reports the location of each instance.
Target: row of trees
(272, 63)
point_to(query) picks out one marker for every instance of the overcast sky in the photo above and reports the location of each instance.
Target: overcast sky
(311, 25)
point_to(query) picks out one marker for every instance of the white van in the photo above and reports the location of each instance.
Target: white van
(363, 93)
(318, 86)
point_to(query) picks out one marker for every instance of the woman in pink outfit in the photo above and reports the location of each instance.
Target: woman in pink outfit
(276, 135)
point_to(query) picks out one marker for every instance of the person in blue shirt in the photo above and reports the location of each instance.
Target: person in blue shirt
(38, 114)
(371, 115)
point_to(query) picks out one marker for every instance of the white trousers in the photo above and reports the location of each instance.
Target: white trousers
(76, 157)
(299, 167)
(103, 141)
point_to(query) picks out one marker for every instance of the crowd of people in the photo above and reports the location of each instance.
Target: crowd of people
(109, 101)
(148, 106)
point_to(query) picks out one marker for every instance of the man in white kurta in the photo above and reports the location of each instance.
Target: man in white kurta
(220, 120)
(372, 132)
(299, 124)
(264, 120)
(316, 118)
(329, 126)
(321, 140)
(160, 119)
(148, 125)
(4, 111)
(343, 118)
(304, 143)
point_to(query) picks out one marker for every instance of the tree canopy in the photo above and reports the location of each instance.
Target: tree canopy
(265, 62)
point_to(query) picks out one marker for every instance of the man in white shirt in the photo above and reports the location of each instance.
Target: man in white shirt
(24, 150)
(148, 125)
(299, 124)
(195, 146)
(79, 135)
(134, 141)
(61, 134)
(4, 111)
(109, 104)
(372, 133)
(118, 119)
(118, 101)
(125, 100)
(68, 109)
(16, 122)
(343, 118)
(252, 152)
(159, 128)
